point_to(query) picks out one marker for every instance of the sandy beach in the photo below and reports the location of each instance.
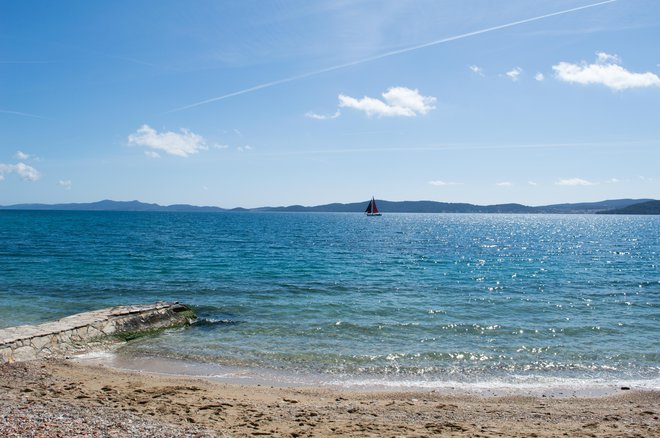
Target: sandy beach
(55, 398)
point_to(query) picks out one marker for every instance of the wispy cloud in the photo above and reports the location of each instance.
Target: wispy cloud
(23, 170)
(574, 182)
(606, 58)
(66, 184)
(476, 70)
(21, 156)
(467, 148)
(539, 77)
(104, 54)
(504, 184)
(607, 71)
(25, 62)
(315, 116)
(245, 148)
(181, 144)
(440, 183)
(390, 53)
(514, 73)
(532, 183)
(398, 101)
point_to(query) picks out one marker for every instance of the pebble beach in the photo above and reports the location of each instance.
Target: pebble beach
(61, 398)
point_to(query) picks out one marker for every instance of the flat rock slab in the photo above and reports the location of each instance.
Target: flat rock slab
(76, 332)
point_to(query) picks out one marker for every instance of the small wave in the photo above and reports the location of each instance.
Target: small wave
(529, 385)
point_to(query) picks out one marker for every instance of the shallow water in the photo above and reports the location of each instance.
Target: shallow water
(401, 299)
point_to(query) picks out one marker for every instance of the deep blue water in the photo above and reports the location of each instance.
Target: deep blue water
(400, 298)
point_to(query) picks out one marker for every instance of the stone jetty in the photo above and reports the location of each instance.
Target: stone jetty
(90, 330)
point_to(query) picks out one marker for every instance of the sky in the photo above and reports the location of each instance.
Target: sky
(265, 103)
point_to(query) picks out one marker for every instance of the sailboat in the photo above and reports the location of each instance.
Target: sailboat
(372, 210)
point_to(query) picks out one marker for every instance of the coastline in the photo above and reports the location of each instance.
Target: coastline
(526, 386)
(51, 397)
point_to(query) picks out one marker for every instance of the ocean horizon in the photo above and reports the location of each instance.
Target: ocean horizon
(398, 301)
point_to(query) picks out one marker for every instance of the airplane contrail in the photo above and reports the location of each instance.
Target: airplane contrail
(388, 54)
(18, 113)
(467, 147)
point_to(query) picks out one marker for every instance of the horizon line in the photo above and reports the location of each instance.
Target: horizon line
(8, 207)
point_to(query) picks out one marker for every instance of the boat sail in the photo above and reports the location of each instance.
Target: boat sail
(372, 210)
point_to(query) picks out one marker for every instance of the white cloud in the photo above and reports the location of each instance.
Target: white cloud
(2, 177)
(532, 183)
(605, 71)
(23, 170)
(477, 70)
(245, 148)
(152, 154)
(181, 144)
(440, 183)
(22, 155)
(539, 77)
(398, 101)
(313, 115)
(606, 58)
(574, 182)
(27, 172)
(65, 183)
(614, 180)
(514, 73)
(220, 146)
(504, 184)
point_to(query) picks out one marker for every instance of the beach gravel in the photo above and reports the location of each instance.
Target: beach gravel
(35, 406)
(57, 398)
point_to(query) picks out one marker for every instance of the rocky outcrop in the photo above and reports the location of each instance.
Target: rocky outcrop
(90, 330)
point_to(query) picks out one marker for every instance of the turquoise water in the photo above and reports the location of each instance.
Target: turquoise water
(402, 299)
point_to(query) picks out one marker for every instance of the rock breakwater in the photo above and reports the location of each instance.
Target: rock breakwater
(89, 330)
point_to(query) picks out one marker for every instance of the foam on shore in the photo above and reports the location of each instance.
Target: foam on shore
(515, 385)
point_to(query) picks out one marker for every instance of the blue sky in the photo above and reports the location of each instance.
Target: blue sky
(255, 103)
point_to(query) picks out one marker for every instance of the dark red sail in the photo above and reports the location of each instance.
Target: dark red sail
(372, 210)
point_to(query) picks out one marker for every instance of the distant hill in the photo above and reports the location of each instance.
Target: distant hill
(408, 207)
(108, 205)
(593, 207)
(649, 207)
(615, 206)
(444, 207)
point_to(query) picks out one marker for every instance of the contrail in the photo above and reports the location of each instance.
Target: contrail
(466, 147)
(18, 113)
(387, 54)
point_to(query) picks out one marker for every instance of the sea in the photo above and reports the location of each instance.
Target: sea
(453, 301)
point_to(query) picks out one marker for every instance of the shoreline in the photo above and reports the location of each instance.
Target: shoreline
(70, 397)
(532, 387)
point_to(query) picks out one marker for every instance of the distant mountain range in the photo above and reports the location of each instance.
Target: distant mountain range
(649, 207)
(615, 206)
(108, 205)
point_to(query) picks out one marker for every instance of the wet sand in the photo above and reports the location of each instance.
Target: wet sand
(63, 398)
